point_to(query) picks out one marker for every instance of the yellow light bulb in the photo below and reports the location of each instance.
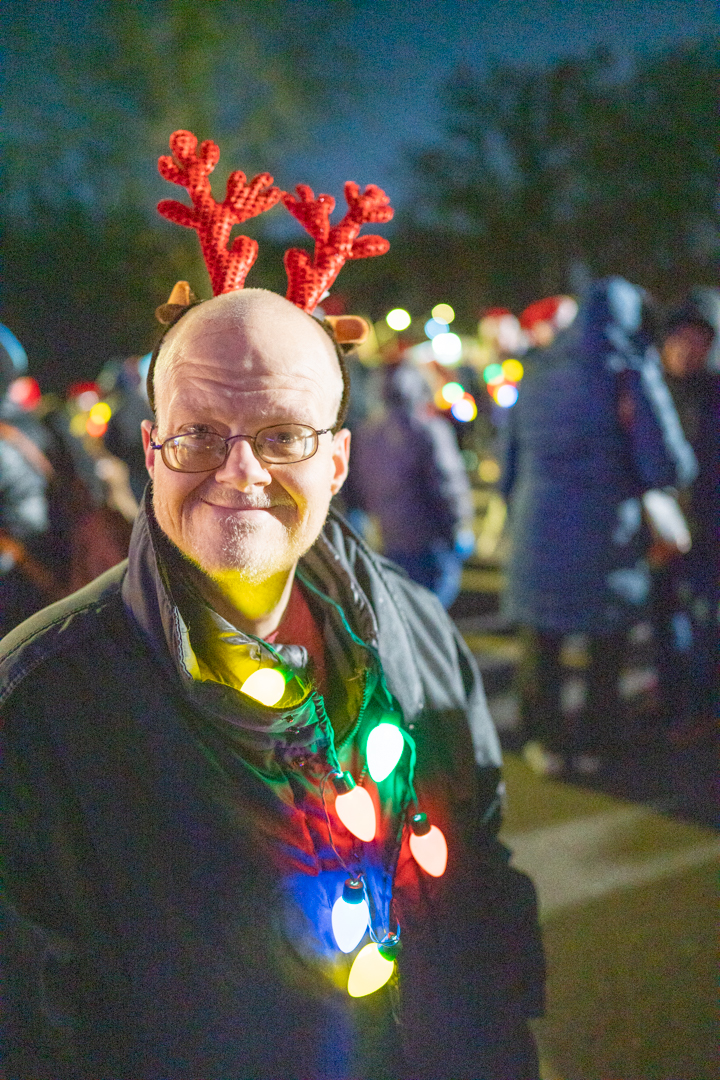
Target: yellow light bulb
(266, 685)
(369, 972)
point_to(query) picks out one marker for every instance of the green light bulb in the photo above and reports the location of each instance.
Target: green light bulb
(384, 749)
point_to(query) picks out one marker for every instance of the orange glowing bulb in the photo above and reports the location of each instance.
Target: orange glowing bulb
(428, 846)
(355, 808)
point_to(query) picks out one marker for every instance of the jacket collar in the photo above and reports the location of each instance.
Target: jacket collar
(338, 565)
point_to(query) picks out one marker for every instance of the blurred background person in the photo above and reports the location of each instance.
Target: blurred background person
(685, 584)
(25, 474)
(408, 473)
(593, 428)
(130, 408)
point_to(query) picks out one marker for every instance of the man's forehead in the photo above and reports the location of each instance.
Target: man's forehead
(250, 343)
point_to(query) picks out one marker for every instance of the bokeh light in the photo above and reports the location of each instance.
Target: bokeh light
(25, 392)
(398, 319)
(443, 313)
(492, 371)
(506, 395)
(513, 370)
(465, 409)
(433, 327)
(452, 392)
(448, 348)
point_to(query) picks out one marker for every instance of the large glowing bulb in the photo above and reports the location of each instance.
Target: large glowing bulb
(428, 846)
(384, 748)
(355, 808)
(369, 972)
(266, 685)
(350, 915)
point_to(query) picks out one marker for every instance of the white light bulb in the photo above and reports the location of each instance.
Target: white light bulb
(349, 917)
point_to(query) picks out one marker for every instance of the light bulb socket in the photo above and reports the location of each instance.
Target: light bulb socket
(420, 825)
(390, 946)
(353, 891)
(343, 782)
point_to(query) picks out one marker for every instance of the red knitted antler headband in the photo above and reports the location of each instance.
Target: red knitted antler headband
(308, 279)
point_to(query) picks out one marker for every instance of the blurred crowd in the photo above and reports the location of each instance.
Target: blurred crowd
(575, 445)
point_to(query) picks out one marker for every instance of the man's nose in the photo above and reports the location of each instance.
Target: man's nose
(242, 468)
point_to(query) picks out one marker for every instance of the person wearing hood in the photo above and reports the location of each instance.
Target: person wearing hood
(685, 583)
(407, 471)
(594, 428)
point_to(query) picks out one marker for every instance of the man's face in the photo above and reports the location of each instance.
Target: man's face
(686, 348)
(265, 363)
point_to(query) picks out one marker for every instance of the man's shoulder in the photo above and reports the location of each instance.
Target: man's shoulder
(379, 576)
(69, 626)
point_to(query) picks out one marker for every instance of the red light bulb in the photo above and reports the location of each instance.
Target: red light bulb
(428, 846)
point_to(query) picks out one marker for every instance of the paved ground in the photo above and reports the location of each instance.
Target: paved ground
(626, 866)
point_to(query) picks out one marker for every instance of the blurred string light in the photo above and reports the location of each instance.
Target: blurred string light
(97, 419)
(492, 371)
(447, 348)
(465, 409)
(25, 392)
(443, 313)
(398, 319)
(506, 395)
(513, 370)
(452, 392)
(501, 381)
(434, 327)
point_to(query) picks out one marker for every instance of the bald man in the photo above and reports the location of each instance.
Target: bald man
(179, 736)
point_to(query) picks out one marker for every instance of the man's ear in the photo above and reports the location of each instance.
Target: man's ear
(341, 459)
(146, 428)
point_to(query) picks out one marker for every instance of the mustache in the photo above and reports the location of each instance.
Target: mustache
(257, 501)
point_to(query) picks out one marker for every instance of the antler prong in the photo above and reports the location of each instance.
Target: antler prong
(308, 280)
(212, 220)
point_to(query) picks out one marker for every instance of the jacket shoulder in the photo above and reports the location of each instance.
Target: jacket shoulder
(65, 626)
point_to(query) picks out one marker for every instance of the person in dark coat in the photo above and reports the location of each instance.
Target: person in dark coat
(25, 474)
(685, 584)
(593, 428)
(178, 736)
(408, 472)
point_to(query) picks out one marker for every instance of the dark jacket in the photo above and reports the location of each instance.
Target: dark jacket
(406, 469)
(170, 877)
(593, 427)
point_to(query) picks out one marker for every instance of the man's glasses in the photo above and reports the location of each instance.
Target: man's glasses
(205, 451)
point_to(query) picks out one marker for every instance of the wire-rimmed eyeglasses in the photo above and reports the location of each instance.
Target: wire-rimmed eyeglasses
(205, 451)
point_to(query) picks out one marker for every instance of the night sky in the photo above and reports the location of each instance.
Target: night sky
(407, 50)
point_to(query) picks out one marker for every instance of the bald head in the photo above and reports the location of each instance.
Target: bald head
(258, 337)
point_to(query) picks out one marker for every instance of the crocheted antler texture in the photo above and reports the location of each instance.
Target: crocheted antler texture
(213, 221)
(309, 279)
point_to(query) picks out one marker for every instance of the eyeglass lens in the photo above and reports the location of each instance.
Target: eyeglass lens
(204, 451)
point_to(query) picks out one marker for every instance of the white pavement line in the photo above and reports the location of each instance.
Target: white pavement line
(580, 860)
